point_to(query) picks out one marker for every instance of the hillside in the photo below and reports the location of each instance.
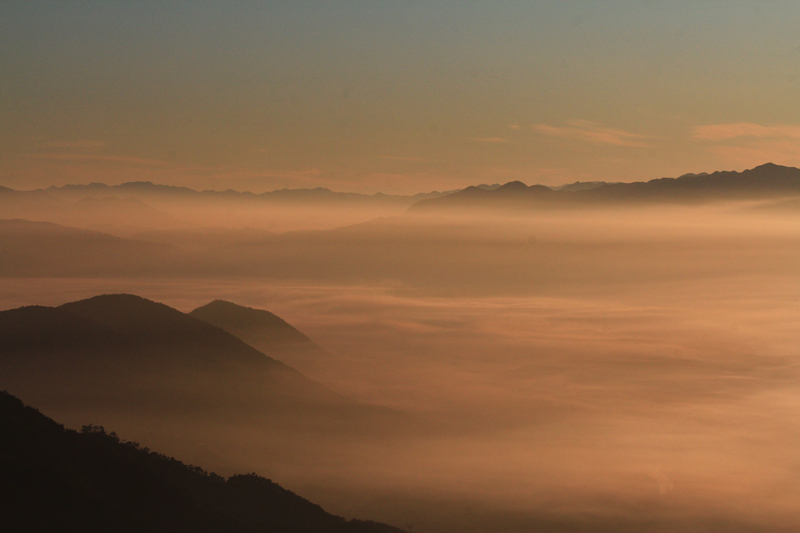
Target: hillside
(262, 330)
(250, 324)
(115, 358)
(56, 479)
(30, 249)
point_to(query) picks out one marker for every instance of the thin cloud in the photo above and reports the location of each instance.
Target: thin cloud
(95, 158)
(407, 159)
(490, 140)
(584, 130)
(83, 144)
(725, 132)
(748, 144)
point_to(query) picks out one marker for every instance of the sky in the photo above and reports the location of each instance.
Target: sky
(393, 96)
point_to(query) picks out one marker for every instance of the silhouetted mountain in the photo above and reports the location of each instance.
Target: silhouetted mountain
(254, 326)
(146, 189)
(765, 181)
(579, 186)
(118, 354)
(514, 192)
(262, 330)
(113, 208)
(56, 479)
(93, 189)
(132, 351)
(190, 388)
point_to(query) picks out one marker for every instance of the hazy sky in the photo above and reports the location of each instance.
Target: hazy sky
(393, 95)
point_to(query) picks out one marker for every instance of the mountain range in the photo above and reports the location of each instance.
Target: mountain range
(140, 208)
(145, 189)
(768, 181)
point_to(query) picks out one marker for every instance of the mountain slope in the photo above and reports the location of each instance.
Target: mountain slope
(163, 376)
(45, 249)
(55, 479)
(133, 350)
(263, 330)
(248, 323)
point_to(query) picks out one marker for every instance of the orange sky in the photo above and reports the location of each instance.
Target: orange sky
(398, 97)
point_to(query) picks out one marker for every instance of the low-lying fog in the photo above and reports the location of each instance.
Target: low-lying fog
(590, 371)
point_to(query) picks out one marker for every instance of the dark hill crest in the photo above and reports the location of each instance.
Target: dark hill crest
(144, 321)
(230, 316)
(128, 351)
(129, 362)
(263, 330)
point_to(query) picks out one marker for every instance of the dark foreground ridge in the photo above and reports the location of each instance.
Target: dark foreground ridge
(57, 479)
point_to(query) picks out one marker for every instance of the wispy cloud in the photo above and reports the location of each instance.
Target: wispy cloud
(407, 159)
(724, 132)
(584, 130)
(490, 140)
(95, 158)
(83, 144)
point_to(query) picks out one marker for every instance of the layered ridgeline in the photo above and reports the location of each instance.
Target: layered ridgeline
(765, 182)
(31, 249)
(152, 191)
(56, 479)
(144, 368)
(126, 214)
(262, 330)
(129, 208)
(143, 351)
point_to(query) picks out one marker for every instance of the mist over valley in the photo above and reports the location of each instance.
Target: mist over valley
(583, 368)
(384, 267)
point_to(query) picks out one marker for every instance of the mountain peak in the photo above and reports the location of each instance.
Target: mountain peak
(513, 186)
(231, 310)
(145, 322)
(771, 169)
(119, 306)
(256, 326)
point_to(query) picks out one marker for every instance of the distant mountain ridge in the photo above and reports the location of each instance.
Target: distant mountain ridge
(55, 479)
(135, 207)
(146, 188)
(767, 181)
